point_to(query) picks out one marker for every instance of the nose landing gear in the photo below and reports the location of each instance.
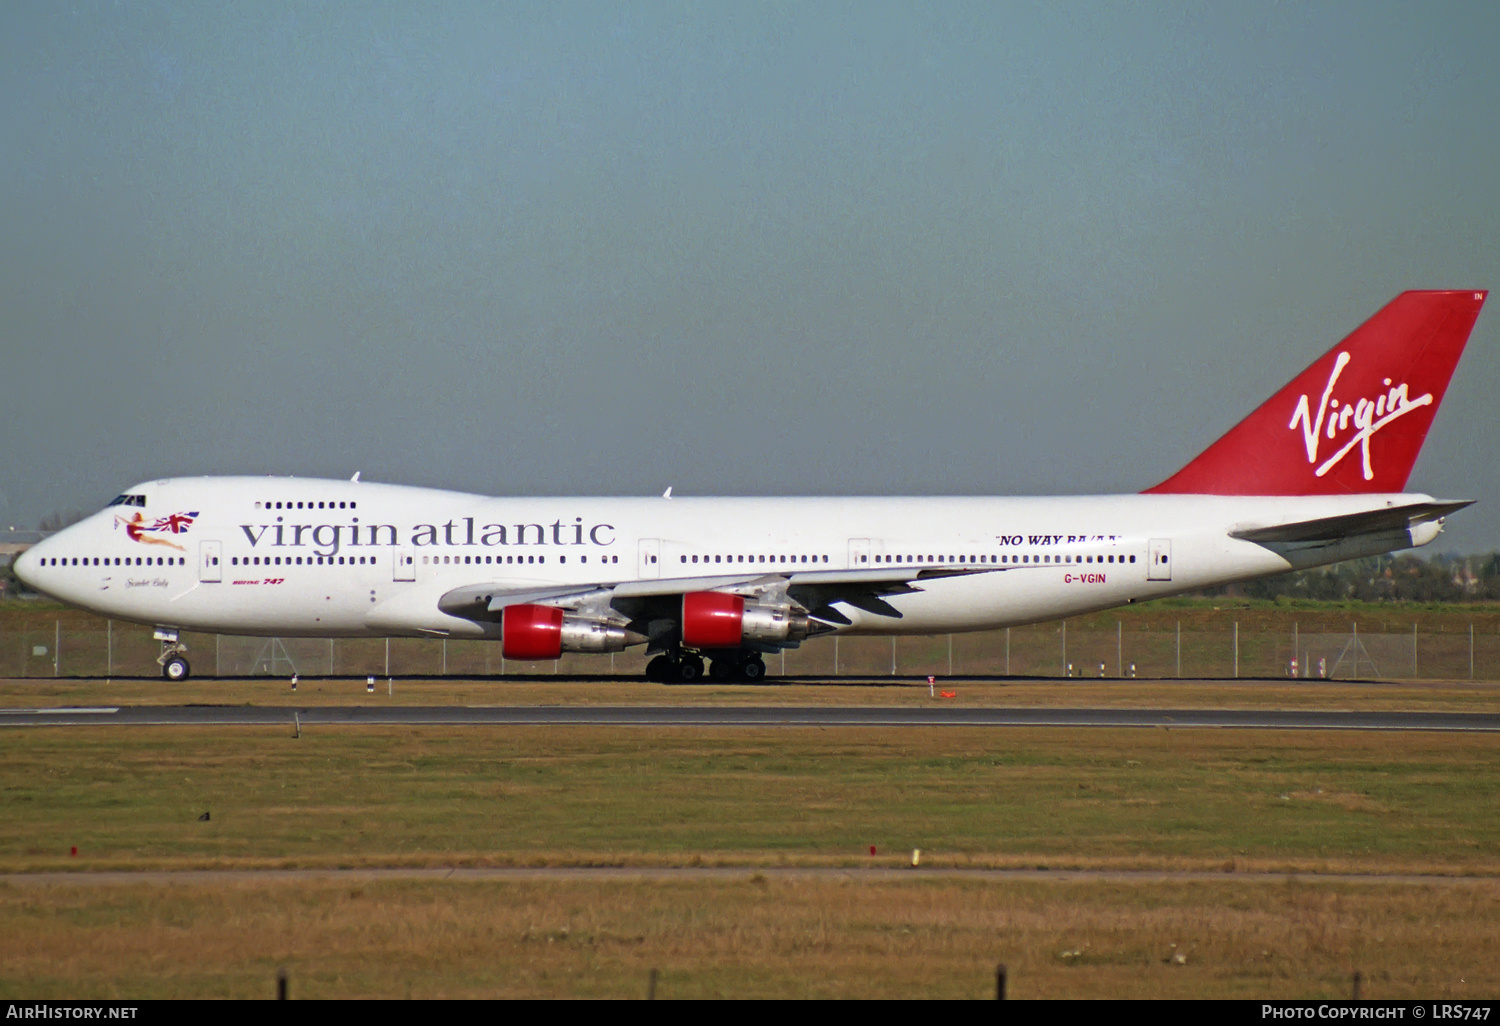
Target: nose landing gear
(173, 663)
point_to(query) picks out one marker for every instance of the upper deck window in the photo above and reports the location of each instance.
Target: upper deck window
(128, 500)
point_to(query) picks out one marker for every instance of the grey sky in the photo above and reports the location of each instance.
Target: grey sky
(763, 249)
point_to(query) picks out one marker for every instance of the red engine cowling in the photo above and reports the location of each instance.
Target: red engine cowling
(531, 632)
(712, 619)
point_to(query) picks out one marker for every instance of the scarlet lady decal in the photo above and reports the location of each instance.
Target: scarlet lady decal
(137, 529)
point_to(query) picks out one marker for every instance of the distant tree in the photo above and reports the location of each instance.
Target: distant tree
(1401, 578)
(55, 521)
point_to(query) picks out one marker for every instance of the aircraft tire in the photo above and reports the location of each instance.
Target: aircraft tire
(690, 670)
(723, 669)
(753, 668)
(176, 669)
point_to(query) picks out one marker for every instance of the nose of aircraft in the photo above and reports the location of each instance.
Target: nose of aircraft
(25, 566)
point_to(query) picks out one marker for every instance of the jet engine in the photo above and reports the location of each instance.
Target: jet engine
(717, 620)
(530, 632)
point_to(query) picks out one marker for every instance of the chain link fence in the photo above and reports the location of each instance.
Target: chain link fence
(1057, 649)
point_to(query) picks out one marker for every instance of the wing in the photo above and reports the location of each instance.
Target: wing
(654, 609)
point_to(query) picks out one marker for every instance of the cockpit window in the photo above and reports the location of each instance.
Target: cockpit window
(128, 500)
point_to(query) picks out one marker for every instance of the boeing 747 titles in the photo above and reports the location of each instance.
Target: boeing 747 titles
(1315, 475)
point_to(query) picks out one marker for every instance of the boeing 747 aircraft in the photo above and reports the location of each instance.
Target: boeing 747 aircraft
(1315, 475)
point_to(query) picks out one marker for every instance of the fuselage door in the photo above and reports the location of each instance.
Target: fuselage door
(405, 566)
(210, 558)
(859, 553)
(650, 557)
(1159, 560)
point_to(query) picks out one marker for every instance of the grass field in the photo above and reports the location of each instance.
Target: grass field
(130, 798)
(755, 937)
(1227, 801)
(1236, 803)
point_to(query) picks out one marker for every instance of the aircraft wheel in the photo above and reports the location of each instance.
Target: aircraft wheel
(176, 669)
(753, 668)
(690, 670)
(723, 669)
(660, 670)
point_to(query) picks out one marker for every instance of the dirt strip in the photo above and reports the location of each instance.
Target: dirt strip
(697, 873)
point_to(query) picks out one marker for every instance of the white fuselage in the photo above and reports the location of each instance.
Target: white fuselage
(292, 556)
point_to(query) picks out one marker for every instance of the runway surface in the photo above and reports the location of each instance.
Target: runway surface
(738, 716)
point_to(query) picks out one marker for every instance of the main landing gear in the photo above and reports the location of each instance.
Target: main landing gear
(173, 662)
(687, 668)
(676, 668)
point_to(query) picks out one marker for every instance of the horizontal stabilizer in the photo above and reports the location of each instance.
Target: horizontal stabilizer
(1373, 521)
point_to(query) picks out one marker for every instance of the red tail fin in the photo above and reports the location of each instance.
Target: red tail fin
(1352, 422)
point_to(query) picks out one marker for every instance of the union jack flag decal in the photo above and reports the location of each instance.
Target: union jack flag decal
(177, 523)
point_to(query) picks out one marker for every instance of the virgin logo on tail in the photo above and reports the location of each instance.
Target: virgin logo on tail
(1415, 339)
(1367, 417)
